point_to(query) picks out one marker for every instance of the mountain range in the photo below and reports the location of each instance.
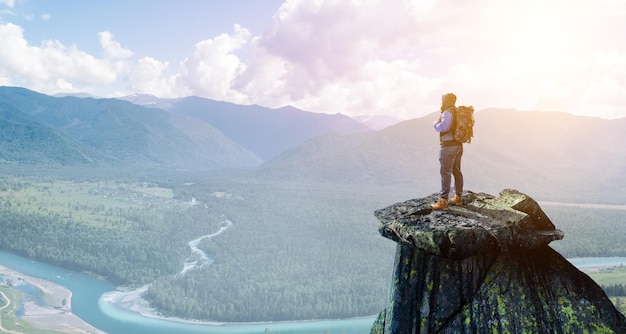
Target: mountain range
(264, 131)
(194, 134)
(549, 155)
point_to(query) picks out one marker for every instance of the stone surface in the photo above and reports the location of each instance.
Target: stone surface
(486, 267)
(484, 223)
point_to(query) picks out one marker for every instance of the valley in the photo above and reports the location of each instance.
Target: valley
(290, 251)
(135, 234)
(198, 204)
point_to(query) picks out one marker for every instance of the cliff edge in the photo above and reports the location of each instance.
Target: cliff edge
(486, 267)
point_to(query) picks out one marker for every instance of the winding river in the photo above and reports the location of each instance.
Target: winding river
(98, 303)
(198, 257)
(88, 304)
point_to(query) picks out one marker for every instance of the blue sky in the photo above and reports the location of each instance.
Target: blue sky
(360, 57)
(163, 29)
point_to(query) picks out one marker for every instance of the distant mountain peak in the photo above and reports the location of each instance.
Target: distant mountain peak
(148, 100)
(79, 95)
(377, 122)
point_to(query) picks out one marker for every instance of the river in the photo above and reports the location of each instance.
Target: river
(88, 304)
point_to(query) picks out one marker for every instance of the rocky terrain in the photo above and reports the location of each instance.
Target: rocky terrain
(486, 267)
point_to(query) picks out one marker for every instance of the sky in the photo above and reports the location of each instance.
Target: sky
(355, 57)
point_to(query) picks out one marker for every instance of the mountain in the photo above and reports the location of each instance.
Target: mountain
(549, 154)
(24, 140)
(377, 122)
(81, 95)
(486, 267)
(113, 132)
(266, 132)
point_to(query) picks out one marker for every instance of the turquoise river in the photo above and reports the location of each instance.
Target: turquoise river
(88, 305)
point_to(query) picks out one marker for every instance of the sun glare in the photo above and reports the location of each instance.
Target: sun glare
(542, 36)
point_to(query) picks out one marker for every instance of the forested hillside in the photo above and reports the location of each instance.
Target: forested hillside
(110, 132)
(588, 230)
(266, 132)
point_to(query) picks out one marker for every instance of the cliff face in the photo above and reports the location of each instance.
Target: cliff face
(486, 267)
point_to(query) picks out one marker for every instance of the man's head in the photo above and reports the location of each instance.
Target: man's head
(447, 101)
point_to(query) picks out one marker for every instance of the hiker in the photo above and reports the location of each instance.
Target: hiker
(449, 155)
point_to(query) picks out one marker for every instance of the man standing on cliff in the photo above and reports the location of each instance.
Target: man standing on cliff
(449, 155)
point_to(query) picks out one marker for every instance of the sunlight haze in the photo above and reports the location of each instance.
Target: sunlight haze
(352, 57)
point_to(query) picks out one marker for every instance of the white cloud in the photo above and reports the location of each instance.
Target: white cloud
(213, 67)
(147, 77)
(210, 71)
(344, 56)
(51, 67)
(375, 57)
(113, 48)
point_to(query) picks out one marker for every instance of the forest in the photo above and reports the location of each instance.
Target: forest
(588, 231)
(291, 253)
(294, 250)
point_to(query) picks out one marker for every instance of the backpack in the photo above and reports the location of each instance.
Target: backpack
(463, 124)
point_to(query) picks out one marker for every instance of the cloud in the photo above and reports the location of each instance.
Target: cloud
(315, 57)
(113, 48)
(374, 57)
(354, 57)
(147, 77)
(210, 71)
(51, 67)
(214, 65)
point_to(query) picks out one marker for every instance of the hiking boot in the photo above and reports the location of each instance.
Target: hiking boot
(442, 204)
(456, 200)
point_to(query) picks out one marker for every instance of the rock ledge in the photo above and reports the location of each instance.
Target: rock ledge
(483, 224)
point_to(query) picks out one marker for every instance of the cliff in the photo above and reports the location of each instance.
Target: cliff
(486, 267)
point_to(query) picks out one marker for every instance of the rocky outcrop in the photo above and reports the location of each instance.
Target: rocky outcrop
(486, 267)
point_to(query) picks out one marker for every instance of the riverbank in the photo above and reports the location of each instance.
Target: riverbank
(133, 301)
(55, 313)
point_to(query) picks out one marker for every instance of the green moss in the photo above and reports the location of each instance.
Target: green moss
(378, 327)
(601, 329)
